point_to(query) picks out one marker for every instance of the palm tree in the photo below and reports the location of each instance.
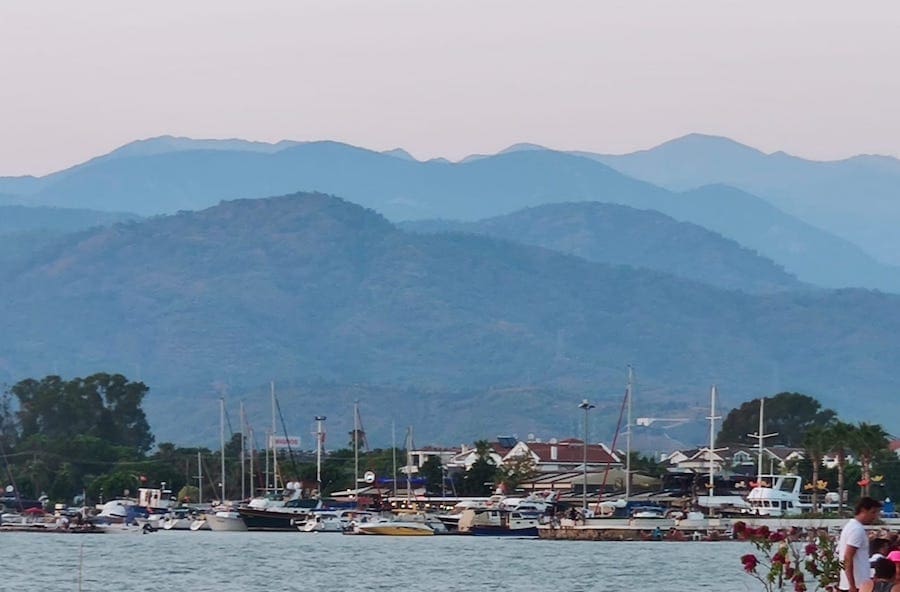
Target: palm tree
(868, 440)
(815, 442)
(839, 435)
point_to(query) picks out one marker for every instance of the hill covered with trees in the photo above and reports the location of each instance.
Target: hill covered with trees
(311, 289)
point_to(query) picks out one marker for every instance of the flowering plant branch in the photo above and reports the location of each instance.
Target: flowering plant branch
(791, 560)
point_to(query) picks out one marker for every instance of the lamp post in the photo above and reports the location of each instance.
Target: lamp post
(587, 406)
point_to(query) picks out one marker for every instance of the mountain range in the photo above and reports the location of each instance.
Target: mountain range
(165, 175)
(856, 198)
(619, 235)
(490, 332)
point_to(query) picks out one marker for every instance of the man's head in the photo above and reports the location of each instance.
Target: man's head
(885, 569)
(867, 510)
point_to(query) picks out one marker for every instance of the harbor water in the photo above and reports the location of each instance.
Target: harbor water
(258, 562)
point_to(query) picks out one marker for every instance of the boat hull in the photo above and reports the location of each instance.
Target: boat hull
(395, 530)
(231, 523)
(531, 531)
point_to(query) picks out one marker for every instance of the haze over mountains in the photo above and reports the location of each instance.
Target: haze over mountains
(857, 198)
(151, 178)
(533, 277)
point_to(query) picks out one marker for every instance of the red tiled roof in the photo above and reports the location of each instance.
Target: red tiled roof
(572, 452)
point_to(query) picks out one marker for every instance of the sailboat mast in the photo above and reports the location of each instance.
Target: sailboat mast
(199, 478)
(712, 438)
(409, 439)
(394, 457)
(356, 448)
(267, 461)
(252, 454)
(243, 438)
(274, 437)
(320, 437)
(630, 389)
(759, 443)
(222, 443)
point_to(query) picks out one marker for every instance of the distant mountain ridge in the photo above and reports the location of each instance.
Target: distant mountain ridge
(404, 189)
(857, 198)
(312, 288)
(16, 219)
(619, 235)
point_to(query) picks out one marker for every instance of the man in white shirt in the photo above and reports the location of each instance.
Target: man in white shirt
(853, 547)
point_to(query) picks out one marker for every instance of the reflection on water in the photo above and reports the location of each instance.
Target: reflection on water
(251, 561)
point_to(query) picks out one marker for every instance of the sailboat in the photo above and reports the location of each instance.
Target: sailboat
(224, 517)
(279, 509)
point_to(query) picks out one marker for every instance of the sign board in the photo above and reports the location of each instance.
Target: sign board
(283, 442)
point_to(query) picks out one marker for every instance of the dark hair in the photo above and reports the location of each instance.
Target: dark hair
(878, 545)
(885, 569)
(867, 503)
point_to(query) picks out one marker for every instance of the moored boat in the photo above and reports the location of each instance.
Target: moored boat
(224, 520)
(388, 527)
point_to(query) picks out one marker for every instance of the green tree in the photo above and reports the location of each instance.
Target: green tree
(482, 475)
(815, 443)
(107, 406)
(647, 465)
(433, 472)
(839, 436)
(515, 470)
(866, 441)
(788, 414)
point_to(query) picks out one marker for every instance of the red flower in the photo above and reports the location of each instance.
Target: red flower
(750, 562)
(811, 548)
(776, 537)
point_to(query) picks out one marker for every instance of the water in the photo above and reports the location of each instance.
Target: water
(257, 562)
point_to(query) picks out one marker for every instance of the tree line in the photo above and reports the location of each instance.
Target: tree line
(61, 438)
(799, 421)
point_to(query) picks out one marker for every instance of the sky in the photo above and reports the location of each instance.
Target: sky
(814, 78)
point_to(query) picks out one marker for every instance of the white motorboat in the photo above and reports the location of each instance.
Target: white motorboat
(225, 520)
(180, 519)
(320, 522)
(122, 528)
(782, 499)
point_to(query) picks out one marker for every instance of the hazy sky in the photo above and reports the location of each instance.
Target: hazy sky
(815, 78)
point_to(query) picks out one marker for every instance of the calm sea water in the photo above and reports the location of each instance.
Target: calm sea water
(225, 562)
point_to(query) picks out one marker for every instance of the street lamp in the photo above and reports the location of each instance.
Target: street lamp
(587, 406)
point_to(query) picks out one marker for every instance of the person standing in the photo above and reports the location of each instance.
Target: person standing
(853, 546)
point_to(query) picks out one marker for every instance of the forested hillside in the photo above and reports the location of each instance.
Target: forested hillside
(313, 289)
